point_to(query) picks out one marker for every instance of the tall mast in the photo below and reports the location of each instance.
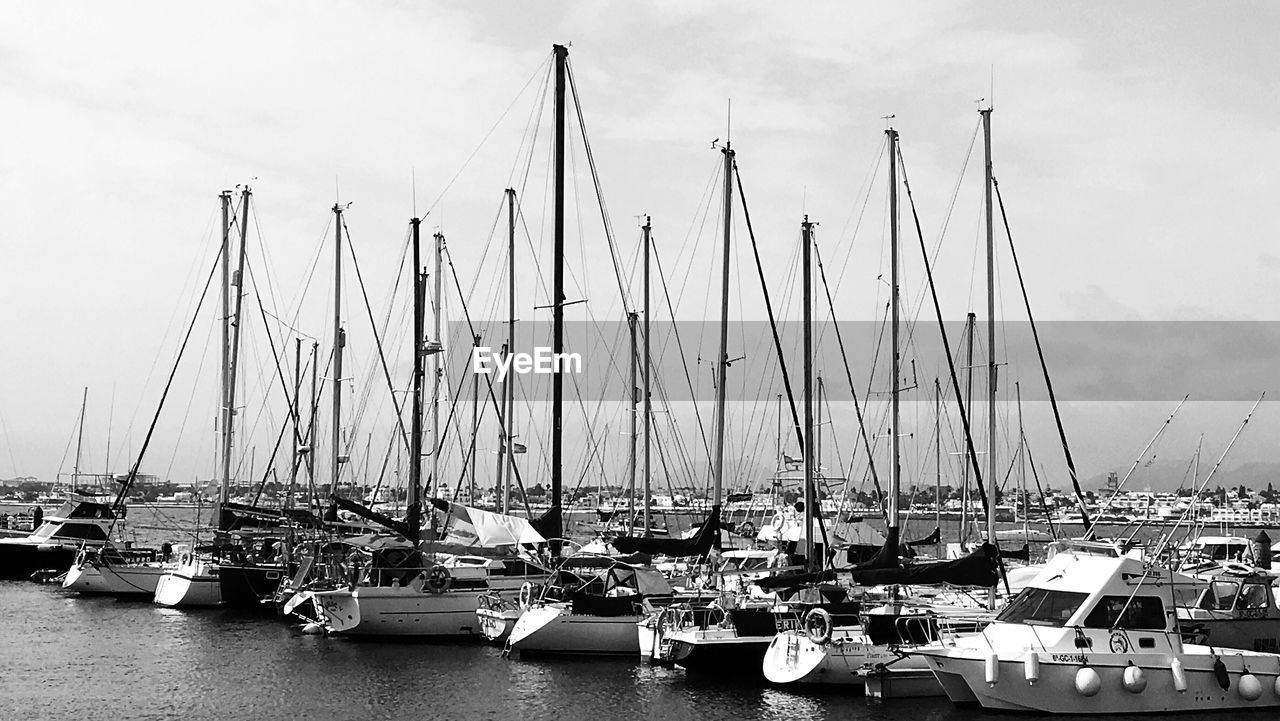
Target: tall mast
(229, 415)
(415, 422)
(223, 421)
(937, 459)
(508, 390)
(722, 360)
(1022, 467)
(437, 297)
(312, 429)
(970, 322)
(631, 453)
(645, 360)
(992, 481)
(295, 416)
(339, 340)
(894, 470)
(806, 231)
(557, 303)
(475, 425)
(75, 472)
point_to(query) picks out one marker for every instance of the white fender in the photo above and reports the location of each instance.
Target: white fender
(993, 669)
(1277, 686)
(312, 628)
(1031, 667)
(1088, 683)
(1135, 680)
(1250, 687)
(1179, 676)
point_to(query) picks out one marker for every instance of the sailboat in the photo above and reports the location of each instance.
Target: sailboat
(194, 581)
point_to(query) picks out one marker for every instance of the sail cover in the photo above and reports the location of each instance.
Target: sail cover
(976, 569)
(469, 526)
(707, 537)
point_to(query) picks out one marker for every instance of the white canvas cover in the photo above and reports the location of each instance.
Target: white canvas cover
(469, 526)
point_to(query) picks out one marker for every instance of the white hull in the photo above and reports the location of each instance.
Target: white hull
(190, 585)
(397, 611)
(963, 675)
(128, 580)
(794, 658)
(84, 578)
(553, 629)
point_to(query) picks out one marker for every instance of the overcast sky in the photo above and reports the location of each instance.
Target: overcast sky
(1135, 143)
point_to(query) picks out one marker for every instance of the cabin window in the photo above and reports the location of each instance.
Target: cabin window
(1221, 596)
(1253, 595)
(1042, 606)
(1139, 612)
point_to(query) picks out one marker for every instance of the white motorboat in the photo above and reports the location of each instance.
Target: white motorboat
(83, 521)
(1099, 635)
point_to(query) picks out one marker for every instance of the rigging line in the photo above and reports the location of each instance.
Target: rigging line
(595, 177)
(1053, 401)
(684, 363)
(768, 304)
(266, 473)
(133, 472)
(377, 340)
(857, 407)
(1043, 506)
(871, 176)
(276, 356)
(483, 140)
(951, 365)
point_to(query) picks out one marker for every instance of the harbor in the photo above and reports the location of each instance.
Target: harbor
(383, 361)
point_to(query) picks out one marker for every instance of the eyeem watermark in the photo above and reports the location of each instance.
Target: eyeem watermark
(541, 361)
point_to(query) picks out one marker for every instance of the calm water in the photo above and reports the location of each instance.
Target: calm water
(66, 656)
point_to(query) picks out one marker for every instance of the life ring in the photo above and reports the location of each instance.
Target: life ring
(438, 579)
(1237, 568)
(817, 625)
(526, 595)
(1119, 642)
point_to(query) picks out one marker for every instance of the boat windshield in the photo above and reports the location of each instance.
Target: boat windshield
(1041, 606)
(1139, 612)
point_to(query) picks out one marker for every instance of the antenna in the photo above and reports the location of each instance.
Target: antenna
(728, 122)
(991, 89)
(413, 183)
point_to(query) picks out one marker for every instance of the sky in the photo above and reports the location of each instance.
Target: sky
(1135, 145)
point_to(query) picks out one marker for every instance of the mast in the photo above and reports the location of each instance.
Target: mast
(1022, 466)
(437, 297)
(312, 429)
(970, 322)
(937, 458)
(631, 454)
(223, 421)
(415, 422)
(557, 304)
(992, 480)
(339, 340)
(229, 414)
(295, 416)
(894, 469)
(475, 425)
(722, 360)
(648, 409)
(806, 231)
(508, 389)
(75, 472)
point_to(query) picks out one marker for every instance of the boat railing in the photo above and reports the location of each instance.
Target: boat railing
(953, 626)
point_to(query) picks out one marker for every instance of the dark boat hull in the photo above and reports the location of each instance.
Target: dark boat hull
(19, 560)
(737, 657)
(249, 585)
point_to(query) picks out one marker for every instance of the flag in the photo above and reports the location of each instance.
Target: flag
(519, 448)
(792, 464)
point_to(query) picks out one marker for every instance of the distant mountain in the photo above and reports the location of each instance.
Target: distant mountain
(1254, 475)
